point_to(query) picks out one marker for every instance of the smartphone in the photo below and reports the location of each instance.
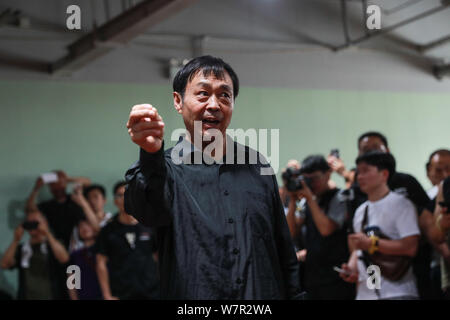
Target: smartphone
(30, 225)
(49, 177)
(337, 269)
(335, 152)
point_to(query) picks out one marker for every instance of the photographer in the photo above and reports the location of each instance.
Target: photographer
(326, 240)
(62, 212)
(382, 238)
(39, 260)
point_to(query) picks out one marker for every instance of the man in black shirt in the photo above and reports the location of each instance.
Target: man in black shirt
(221, 229)
(126, 267)
(61, 212)
(325, 217)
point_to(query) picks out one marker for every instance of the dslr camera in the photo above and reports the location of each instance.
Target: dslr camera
(293, 179)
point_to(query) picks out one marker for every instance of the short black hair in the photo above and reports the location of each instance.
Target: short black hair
(314, 163)
(209, 65)
(118, 185)
(92, 187)
(373, 134)
(440, 152)
(379, 159)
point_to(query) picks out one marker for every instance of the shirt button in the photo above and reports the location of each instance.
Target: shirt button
(230, 220)
(235, 251)
(226, 192)
(238, 280)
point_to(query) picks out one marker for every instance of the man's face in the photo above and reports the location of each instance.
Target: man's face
(439, 168)
(319, 181)
(86, 231)
(371, 143)
(369, 177)
(206, 99)
(96, 200)
(119, 200)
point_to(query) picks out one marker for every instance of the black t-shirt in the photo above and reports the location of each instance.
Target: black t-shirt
(325, 252)
(55, 269)
(133, 273)
(62, 217)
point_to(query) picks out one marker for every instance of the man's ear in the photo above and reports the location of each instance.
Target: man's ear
(386, 174)
(178, 102)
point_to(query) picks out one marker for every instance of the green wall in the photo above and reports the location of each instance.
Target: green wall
(80, 127)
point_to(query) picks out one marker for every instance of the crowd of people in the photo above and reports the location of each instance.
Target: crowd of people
(115, 255)
(382, 218)
(217, 229)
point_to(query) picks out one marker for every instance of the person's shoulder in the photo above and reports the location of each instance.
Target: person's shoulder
(360, 210)
(110, 224)
(400, 201)
(404, 177)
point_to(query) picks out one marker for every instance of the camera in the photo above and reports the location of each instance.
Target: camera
(30, 225)
(293, 179)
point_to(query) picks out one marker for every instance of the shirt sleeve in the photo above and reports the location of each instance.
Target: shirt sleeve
(147, 194)
(286, 251)
(407, 220)
(337, 210)
(417, 194)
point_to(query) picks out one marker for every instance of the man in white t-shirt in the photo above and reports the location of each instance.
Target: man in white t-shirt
(396, 218)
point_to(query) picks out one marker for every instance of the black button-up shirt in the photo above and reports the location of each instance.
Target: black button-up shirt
(221, 229)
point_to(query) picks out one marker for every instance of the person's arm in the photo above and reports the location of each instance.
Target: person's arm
(338, 166)
(402, 247)
(350, 268)
(325, 225)
(148, 194)
(73, 295)
(440, 225)
(31, 200)
(57, 247)
(78, 198)
(8, 259)
(103, 277)
(83, 181)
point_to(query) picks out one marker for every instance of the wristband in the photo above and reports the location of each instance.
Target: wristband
(374, 246)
